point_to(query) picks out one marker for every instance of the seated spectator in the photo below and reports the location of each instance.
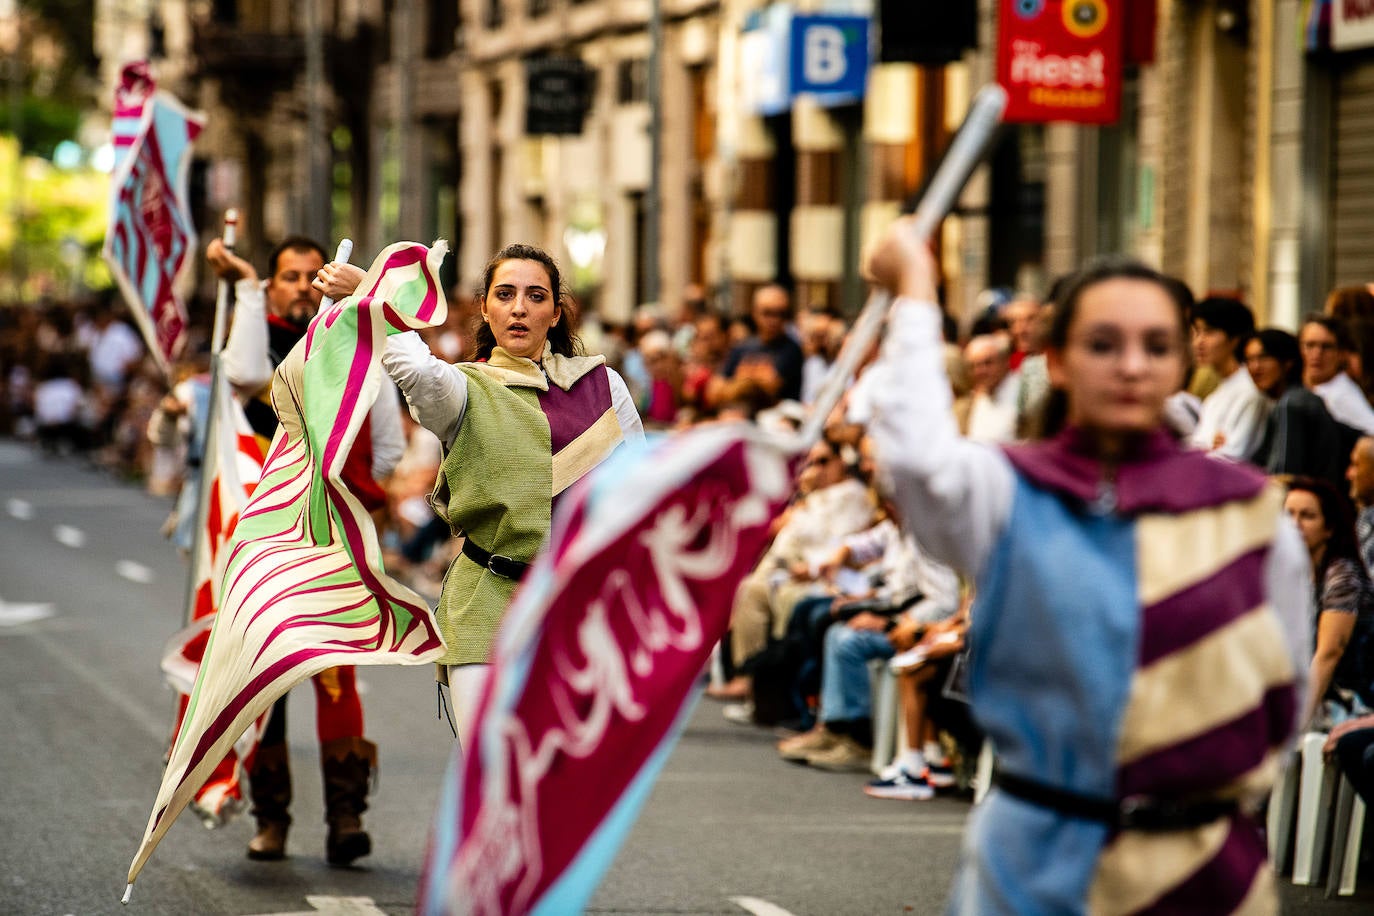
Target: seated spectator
(769, 359)
(821, 337)
(878, 571)
(1341, 682)
(1300, 437)
(1354, 305)
(1360, 474)
(922, 671)
(1326, 347)
(834, 503)
(57, 408)
(991, 408)
(841, 739)
(1232, 417)
(1022, 315)
(659, 406)
(1351, 743)
(705, 354)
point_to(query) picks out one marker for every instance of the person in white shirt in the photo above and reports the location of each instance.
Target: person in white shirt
(992, 412)
(1326, 346)
(115, 351)
(57, 406)
(1231, 421)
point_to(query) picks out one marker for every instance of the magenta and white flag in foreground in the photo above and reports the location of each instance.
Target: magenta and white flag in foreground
(304, 588)
(595, 669)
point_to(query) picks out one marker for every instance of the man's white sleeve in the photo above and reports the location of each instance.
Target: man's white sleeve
(244, 360)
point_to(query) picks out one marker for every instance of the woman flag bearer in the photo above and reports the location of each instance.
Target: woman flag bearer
(1138, 644)
(519, 426)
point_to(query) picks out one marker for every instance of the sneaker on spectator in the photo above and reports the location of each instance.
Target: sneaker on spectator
(739, 713)
(844, 756)
(940, 775)
(797, 748)
(903, 787)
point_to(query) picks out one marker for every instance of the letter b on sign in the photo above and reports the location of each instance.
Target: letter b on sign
(824, 60)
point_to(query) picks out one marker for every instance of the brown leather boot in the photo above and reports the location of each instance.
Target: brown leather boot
(348, 764)
(269, 784)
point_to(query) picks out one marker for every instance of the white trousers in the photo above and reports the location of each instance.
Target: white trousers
(465, 685)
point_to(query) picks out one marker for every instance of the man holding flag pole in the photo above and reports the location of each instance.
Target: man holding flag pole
(270, 319)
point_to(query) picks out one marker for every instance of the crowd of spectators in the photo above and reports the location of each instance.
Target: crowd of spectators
(841, 584)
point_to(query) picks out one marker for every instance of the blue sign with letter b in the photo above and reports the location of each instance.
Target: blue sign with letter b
(830, 56)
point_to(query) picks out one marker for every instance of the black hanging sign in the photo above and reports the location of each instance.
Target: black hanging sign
(559, 94)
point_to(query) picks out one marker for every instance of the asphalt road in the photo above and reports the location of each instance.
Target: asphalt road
(89, 591)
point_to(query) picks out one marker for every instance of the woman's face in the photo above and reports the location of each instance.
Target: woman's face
(1123, 357)
(823, 468)
(1305, 509)
(520, 307)
(1266, 371)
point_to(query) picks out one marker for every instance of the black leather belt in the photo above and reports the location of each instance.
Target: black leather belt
(1135, 813)
(504, 567)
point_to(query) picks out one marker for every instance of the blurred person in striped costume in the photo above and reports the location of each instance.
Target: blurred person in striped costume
(1138, 647)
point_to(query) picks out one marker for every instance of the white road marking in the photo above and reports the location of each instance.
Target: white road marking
(13, 615)
(20, 508)
(336, 906)
(759, 907)
(69, 536)
(134, 572)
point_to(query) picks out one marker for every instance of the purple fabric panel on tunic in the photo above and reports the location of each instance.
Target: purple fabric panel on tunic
(1159, 475)
(1220, 885)
(1215, 758)
(1184, 617)
(571, 413)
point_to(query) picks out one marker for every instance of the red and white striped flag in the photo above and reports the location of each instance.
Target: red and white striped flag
(230, 470)
(303, 586)
(150, 230)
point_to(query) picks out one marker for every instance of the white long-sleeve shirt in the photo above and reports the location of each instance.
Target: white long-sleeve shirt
(1236, 410)
(1347, 402)
(437, 392)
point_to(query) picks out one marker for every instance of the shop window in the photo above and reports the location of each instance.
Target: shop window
(441, 28)
(632, 81)
(494, 14)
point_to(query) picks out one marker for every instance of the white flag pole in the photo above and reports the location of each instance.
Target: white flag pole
(341, 256)
(231, 225)
(966, 151)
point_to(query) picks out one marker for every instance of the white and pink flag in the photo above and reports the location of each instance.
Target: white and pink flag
(150, 230)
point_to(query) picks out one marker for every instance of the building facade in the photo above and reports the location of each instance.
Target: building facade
(1241, 161)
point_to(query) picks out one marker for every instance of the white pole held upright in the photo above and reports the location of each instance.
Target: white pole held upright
(231, 226)
(965, 152)
(341, 256)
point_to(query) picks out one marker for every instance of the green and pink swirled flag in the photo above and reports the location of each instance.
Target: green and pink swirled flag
(304, 588)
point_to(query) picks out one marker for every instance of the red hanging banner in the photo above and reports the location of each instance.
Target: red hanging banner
(1060, 60)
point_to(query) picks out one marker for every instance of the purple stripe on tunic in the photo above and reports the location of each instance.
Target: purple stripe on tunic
(1158, 476)
(1184, 617)
(1216, 757)
(572, 413)
(1222, 883)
